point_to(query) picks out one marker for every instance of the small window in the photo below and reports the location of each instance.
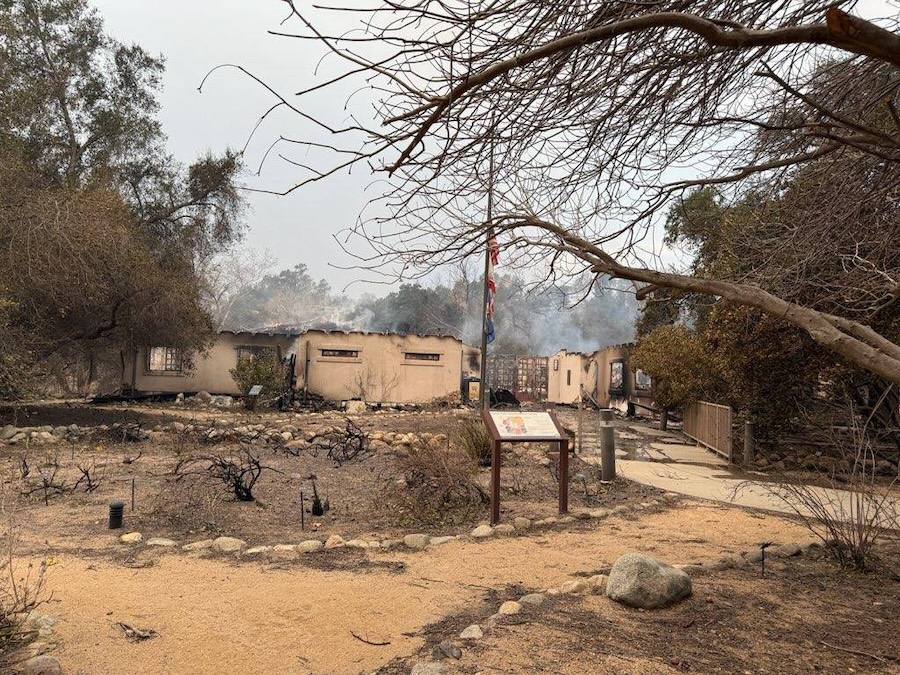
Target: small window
(341, 353)
(568, 378)
(421, 356)
(164, 360)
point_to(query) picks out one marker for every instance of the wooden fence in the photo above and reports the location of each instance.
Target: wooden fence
(710, 425)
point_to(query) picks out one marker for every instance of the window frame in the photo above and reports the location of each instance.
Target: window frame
(172, 361)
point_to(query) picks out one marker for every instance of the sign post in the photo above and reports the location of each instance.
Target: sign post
(513, 426)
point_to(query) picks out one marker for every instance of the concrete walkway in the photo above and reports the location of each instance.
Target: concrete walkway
(694, 471)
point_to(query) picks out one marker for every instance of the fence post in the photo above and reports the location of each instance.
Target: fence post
(664, 419)
(749, 443)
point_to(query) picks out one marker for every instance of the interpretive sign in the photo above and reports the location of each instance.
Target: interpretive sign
(525, 426)
(514, 426)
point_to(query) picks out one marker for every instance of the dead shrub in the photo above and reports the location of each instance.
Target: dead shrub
(855, 508)
(433, 487)
(342, 446)
(21, 591)
(474, 438)
(238, 471)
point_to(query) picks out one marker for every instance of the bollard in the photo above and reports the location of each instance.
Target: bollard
(116, 509)
(749, 443)
(607, 446)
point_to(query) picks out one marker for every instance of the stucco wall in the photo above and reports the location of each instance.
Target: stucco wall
(564, 389)
(566, 372)
(378, 368)
(210, 370)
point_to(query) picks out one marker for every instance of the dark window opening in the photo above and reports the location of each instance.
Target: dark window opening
(568, 378)
(341, 353)
(421, 356)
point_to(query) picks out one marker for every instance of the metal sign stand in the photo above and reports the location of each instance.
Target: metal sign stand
(550, 430)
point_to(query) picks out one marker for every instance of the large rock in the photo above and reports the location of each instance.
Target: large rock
(310, 546)
(42, 665)
(229, 544)
(131, 538)
(640, 581)
(483, 531)
(416, 541)
(8, 432)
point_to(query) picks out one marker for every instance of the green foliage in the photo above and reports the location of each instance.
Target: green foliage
(100, 229)
(262, 369)
(680, 363)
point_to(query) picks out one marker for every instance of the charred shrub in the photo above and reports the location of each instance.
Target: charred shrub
(433, 486)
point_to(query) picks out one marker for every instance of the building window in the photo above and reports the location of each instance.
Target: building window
(568, 378)
(642, 380)
(248, 353)
(164, 360)
(421, 356)
(341, 353)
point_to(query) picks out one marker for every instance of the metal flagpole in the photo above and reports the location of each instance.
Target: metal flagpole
(489, 235)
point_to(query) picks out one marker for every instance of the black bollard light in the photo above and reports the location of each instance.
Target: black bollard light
(116, 509)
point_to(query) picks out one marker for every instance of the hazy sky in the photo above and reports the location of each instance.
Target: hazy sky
(196, 35)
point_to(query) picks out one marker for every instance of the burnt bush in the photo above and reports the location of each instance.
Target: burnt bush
(433, 486)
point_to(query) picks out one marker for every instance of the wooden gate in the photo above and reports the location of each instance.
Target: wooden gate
(710, 424)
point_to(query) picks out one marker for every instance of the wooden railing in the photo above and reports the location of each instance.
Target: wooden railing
(710, 425)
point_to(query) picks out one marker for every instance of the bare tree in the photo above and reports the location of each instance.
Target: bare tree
(595, 116)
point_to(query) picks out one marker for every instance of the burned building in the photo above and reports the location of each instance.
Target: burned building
(336, 365)
(604, 376)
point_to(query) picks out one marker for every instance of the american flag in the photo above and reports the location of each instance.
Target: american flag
(491, 290)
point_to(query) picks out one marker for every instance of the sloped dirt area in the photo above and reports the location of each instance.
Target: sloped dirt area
(348, 610)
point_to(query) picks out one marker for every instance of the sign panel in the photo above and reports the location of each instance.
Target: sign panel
(513, 425)
(255, 390)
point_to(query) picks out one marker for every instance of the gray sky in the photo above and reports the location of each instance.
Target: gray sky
(196, 35)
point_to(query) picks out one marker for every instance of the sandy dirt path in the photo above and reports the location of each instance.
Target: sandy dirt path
(219, 615)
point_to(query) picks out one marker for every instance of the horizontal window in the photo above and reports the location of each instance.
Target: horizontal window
(164, 360)
(341, 353)
(421, 356)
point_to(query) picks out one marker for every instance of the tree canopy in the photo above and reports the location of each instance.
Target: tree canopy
(101, 230)
(595, 116)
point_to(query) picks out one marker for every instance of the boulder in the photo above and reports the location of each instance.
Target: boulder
(483, 531)
(310, 546)
(42, 665)
(161, 541)
(229, 544)
(534, 599)
(521, 523)
(201, 545)
(8, 432)
(334, 541)
(472, 632)
(416, 541)
(203, 397)
(509, 608)
(355, 407)
(283, 552)
(639, 581)
(131, 538)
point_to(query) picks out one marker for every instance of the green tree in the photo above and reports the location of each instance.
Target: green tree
(100, 229)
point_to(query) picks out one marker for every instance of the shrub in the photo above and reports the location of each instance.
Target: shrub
(475, 440)
(21, 591)
(435, 486)
(855, 510)
(263, 369)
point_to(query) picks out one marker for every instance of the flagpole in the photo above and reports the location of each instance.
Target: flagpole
(489, 235)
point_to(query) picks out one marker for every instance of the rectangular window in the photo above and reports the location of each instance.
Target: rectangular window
(341, 353)
(164, 360)
(568, 378)
(421, 356)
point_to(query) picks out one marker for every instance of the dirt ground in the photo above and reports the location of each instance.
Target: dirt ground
(319, 614)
